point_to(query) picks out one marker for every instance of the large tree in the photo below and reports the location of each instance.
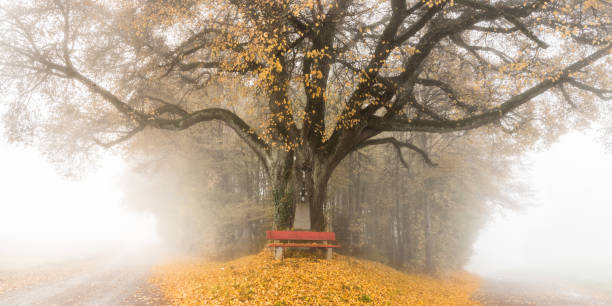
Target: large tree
(305, 83)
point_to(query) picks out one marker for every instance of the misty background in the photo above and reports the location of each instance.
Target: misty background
(566, 232)
(46, 217)
(563, 232)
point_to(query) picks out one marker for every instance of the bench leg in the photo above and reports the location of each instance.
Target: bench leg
(328, 253)
(278, 253)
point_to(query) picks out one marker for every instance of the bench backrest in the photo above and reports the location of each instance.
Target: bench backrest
(299, 235)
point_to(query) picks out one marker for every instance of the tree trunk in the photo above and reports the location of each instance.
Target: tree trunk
(395, 219)
(299, 181)
(283, 193)
(429, 268)
(317, 214)
(311, 178)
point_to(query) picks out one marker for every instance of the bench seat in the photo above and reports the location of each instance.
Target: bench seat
(278, 236)
(306, 245)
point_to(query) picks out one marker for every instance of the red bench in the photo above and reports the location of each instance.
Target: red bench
(300, 236)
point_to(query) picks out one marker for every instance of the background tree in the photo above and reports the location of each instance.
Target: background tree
(209, 195)
(423, 218)
(325, 77)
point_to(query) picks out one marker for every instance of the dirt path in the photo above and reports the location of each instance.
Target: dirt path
(121, 280)
(518, 293)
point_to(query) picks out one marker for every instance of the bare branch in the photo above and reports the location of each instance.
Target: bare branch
(508, 15)
(398, 145)
(494, 30)
(423, 109)
(601, 93)
(65, 10)
(167, 107)
(566, 96)
(244, 131)
(449, 92)
(121, 139)
(474, 50)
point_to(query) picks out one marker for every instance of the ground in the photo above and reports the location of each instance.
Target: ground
(513, 292)
(121, 279)
(306, 280)
(137, 278)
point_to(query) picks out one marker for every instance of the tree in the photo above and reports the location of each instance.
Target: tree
(324, 78)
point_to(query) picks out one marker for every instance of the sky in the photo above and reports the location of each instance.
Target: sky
(569, 227)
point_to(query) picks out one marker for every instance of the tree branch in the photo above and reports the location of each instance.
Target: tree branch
(601, 93)
(494, 29)
(474, 50)
(121, 139)
(387, 42)
(449, 92)
(167, 107)
(422, 108)
(242, 129)
(509, 15)
(398, 145)
(567, 97)
(492, 115)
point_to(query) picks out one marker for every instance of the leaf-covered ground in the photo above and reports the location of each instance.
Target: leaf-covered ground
(306, 280)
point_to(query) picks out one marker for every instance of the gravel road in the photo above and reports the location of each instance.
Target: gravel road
(117, 280)
(518, 293)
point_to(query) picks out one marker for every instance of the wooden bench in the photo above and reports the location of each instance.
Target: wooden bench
(300, 236)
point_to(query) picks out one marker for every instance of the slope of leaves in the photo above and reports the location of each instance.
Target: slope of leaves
(306, 280)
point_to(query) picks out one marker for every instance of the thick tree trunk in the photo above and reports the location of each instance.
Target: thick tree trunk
(300, 181)
(317, 214)
(311, 178)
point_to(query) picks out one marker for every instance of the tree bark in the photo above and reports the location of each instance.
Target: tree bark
(427, 227)
(283, 192)
(300, 179)
(429, 266)
(317, 214)
(311, 176)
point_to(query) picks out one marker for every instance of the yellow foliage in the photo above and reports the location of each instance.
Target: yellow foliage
(260, 280)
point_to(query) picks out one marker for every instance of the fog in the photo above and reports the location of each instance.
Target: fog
(565, 233)
(561, 234)
(45, 217)
(560, 238)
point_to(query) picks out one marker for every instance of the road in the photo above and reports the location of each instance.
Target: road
(120, 279)
(500, 292)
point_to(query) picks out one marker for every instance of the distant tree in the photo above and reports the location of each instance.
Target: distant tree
(304, 83)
